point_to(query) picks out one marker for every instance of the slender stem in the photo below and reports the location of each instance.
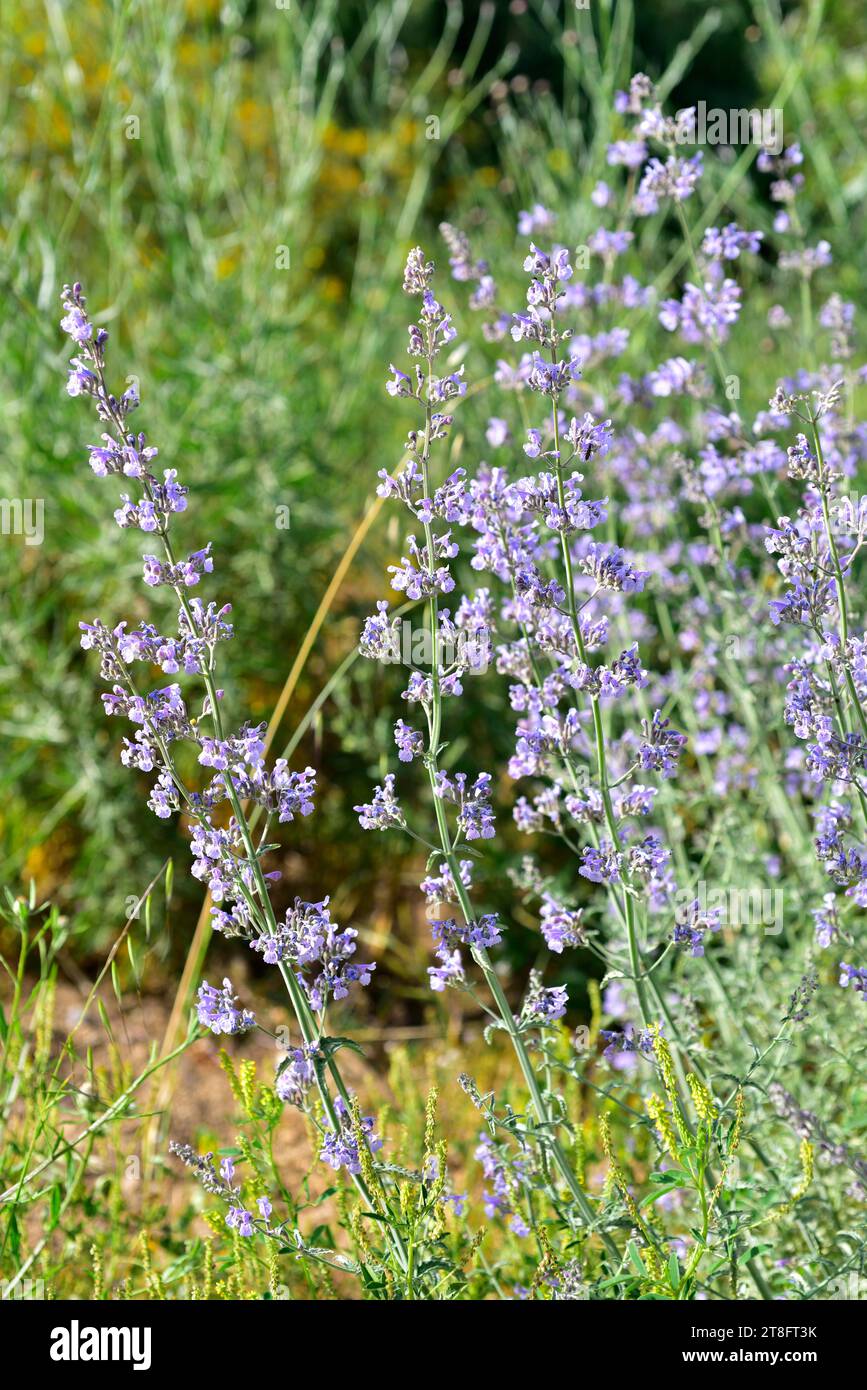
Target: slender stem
(834, 553)
(628, 905)
(479, 954)
(263, 905)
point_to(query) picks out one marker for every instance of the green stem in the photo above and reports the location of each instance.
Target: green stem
(598, 729)
(479, 954)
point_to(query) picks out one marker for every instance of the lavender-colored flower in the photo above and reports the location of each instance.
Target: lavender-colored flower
(383, 812)
(498, 432)
(538, 219)
(240, 1220)
(704, 313)
(675, 179)
(662, 746)
(296, 1074)
(187, 573)
(307, 937)
(807, 261)
(560, 926)
(542, 1005)
(222, 853)
(727, 243)
(218, 1184)
(340, 1146)
(692, 925)
(627, 1040)
(480, 932)
(827, 923)
(589, 437)
(410, 743)
(475, 814)
(854, 976)
(379, 639)
(612, 569)
(602, 865)
(217, 1010)
(449, 972)
(506, 1176)
(631, 154)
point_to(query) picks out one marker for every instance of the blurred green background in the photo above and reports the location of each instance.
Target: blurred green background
(174, 158)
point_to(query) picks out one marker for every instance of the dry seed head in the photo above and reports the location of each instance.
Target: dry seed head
(605, 1136)
(473, 1246)
(152, 1278)
(406, 1196)
(98, 1272)
(247, 1152)
(430, 1119)
(208, 1270)
(215, 1221)
(807, 1153)
(666, 1065)
(359, 1235)
(664, 1124)
(548, 1264)
(469, 1088)
(701, 1099)
(247, 1083)
(273, 1268)
(368, 1171)
(737, 1128)
(228, 1067)
(618, 1177)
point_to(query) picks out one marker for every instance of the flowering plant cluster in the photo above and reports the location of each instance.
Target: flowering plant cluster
(637, 560)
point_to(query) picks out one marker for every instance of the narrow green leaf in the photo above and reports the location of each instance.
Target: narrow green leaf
(635, 1259)
(103, 1013)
